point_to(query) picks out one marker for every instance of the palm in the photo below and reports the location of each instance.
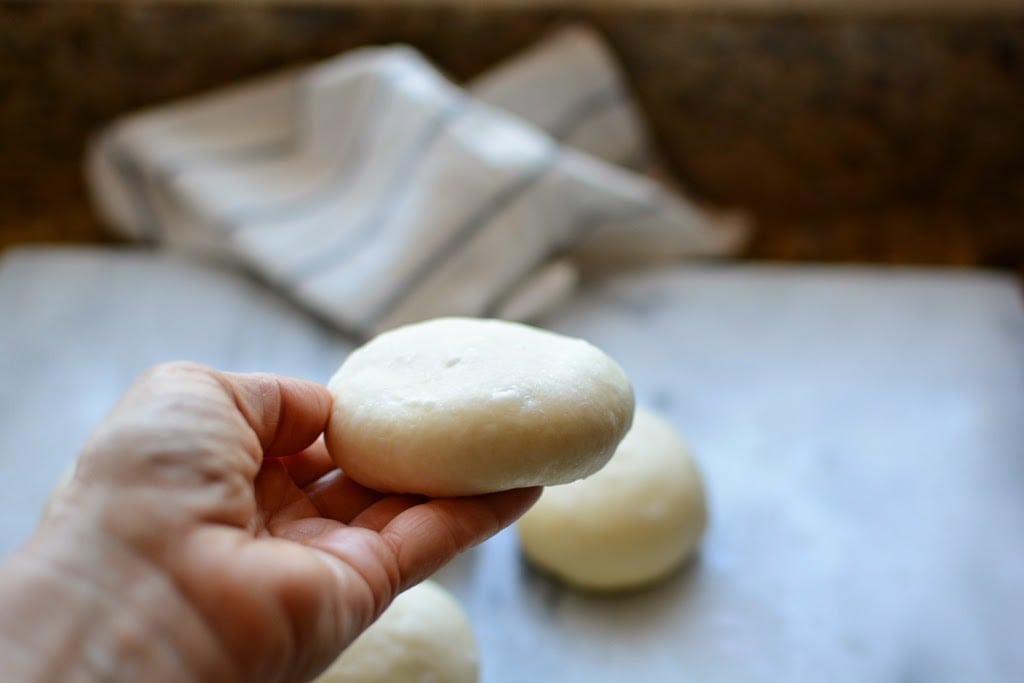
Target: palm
(285, 558)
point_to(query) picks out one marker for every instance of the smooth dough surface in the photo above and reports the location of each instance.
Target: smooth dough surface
(462, 406)
(423, 637)
(630, 524)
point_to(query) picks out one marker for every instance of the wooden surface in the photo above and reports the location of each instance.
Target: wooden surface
(858, 428)
(864, 138)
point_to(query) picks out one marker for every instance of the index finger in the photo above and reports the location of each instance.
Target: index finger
(427, 536)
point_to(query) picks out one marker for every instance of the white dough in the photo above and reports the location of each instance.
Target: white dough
(461, 406)
(423, 637)
(630, 524)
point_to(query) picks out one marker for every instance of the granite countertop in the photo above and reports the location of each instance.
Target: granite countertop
(885, 136)
(859, 431)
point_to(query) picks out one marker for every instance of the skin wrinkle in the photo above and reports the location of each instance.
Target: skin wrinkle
(236, 573)
(61, 570)
(348, 500)
(453, 521)
(379, 514)
(178, 589)
(300, 503)
(209, 618)
(371, 605)
(59, 668)
(329, 622)
(294, 637)
(155, 635)
(211, 470)
(218, 495)
(280, 414)
(394, 542)
(296, 509)
(303, 501)
(309, 465)
(271, 411)
(290, 620)
(273, 483)
(378, 589)
(246, 419)
(270, 419)
(393, 575)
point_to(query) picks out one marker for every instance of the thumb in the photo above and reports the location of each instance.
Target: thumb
(285, 413)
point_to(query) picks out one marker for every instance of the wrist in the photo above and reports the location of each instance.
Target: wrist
(80, 605)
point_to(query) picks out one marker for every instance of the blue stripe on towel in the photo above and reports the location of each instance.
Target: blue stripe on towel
(403, 177)
(476, 222)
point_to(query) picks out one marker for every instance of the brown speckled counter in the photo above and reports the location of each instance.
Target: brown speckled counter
(873, 137)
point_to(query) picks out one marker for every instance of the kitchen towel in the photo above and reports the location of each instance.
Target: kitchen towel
(376, 192)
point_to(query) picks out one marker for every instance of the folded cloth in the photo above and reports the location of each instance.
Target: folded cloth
(570, 87)
(376, 192)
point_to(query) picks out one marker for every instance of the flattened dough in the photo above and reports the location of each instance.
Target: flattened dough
(424, 636)
(462, 406)
(630, 524)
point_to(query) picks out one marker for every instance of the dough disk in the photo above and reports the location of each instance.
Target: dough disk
(423, 637)
(461, 406)
(630, 524)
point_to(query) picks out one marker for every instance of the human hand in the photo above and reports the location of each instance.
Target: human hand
(207, 536)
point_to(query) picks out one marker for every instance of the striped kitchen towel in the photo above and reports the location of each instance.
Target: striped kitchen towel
(375, 192)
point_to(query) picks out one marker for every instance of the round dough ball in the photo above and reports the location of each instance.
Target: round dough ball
(460, 406)
(630, 524)
(424, 636)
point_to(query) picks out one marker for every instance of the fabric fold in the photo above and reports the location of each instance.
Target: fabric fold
(376, 192)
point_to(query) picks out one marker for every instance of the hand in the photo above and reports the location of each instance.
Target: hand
(206, 536)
